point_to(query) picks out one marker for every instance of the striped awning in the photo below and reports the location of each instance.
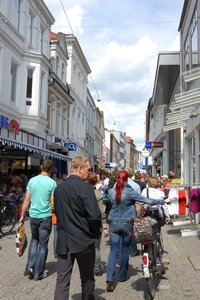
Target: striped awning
(32, 148)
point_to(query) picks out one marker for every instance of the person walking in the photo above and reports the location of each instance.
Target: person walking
(78, 225)
(122, 199)
(39, 196)
(93, 180)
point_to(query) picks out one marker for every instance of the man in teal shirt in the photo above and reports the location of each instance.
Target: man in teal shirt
(39, 200)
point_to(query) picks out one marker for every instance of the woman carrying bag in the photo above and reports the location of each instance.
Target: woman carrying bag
(122, 202)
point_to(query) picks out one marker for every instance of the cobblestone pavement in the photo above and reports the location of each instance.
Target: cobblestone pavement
(181, 281)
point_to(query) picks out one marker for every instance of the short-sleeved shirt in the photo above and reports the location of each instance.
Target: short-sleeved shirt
(41, 188)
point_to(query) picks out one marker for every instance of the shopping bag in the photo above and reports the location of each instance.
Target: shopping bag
(21, 240)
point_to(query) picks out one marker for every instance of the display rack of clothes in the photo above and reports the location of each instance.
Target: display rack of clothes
(182, 197)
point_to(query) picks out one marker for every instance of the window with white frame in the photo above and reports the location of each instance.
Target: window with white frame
(194, 38)
(190, 48)
(52, 113)
(192, 175)
(42, 85)
(29, 86)
(66, 122)
(42, 39)
(63, 73)
(14, 13)
(186, 54)
(60, 118)
(30, 33)
(57, 65)
(13, 73)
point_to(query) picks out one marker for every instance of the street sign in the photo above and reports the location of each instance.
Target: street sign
(156, 144)
(145, 153)
(151, 145)
(70, 146)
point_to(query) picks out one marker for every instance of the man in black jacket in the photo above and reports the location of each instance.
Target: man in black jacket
(78, 225)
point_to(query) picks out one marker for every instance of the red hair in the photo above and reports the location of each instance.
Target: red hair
(122, 177)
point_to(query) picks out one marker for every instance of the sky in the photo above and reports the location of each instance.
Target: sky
(121, 41)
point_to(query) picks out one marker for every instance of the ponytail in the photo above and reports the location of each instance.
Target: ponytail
(122, 177)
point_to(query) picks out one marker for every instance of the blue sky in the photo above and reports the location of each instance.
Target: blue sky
(121, 41)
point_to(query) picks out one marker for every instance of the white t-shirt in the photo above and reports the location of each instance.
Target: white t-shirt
(153, 193)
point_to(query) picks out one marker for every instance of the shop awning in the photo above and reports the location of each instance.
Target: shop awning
(32, 148)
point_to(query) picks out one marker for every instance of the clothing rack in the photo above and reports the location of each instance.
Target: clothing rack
(187, 186)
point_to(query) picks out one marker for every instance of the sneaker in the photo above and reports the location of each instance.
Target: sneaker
(29, 272)
(98, 270)
(109, 286)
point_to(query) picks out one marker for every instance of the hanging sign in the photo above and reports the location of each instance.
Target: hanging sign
(151, 145)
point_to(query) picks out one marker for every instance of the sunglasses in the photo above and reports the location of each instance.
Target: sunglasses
(90, 170)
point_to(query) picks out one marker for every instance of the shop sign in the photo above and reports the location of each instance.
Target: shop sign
(70, 146)
(10, 124)
(151, 145)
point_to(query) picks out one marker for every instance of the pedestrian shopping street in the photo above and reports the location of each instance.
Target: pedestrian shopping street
(180, 282)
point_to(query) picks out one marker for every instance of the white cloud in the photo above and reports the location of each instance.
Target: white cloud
(121, 43)
(124, 77)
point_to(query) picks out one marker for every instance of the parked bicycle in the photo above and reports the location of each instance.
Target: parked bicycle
(8, 216)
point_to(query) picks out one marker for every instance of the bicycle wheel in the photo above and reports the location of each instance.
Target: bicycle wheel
(8, 222)
(151, 281)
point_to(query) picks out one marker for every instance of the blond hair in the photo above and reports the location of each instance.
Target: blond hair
(77, 162)
(153, 182)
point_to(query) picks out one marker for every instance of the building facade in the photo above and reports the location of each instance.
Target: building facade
(24, 59)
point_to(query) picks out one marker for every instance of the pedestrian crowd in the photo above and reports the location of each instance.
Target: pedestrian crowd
(83, 208)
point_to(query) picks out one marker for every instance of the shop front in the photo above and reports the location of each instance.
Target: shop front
(23, 158)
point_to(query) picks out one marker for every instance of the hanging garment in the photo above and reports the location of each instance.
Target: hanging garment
(194, 200)
(182, 201)
(173, 207)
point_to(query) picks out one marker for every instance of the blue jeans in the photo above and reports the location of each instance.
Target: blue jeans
(38, 248)
(119, 231)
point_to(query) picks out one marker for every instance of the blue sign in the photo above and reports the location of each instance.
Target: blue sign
(148, 145)
(70, 146)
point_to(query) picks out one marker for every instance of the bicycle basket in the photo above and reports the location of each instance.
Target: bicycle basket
(142, 230)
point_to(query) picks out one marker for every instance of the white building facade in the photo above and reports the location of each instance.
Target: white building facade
(24, 58)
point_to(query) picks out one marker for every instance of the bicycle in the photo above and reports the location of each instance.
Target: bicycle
(152, 257)
(8, 216)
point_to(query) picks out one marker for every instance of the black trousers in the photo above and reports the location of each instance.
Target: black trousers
(85, 261)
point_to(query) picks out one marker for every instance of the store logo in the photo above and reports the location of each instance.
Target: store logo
(70, 146)
(10, 124)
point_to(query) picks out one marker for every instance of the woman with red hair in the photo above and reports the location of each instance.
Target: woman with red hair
(122, 200)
